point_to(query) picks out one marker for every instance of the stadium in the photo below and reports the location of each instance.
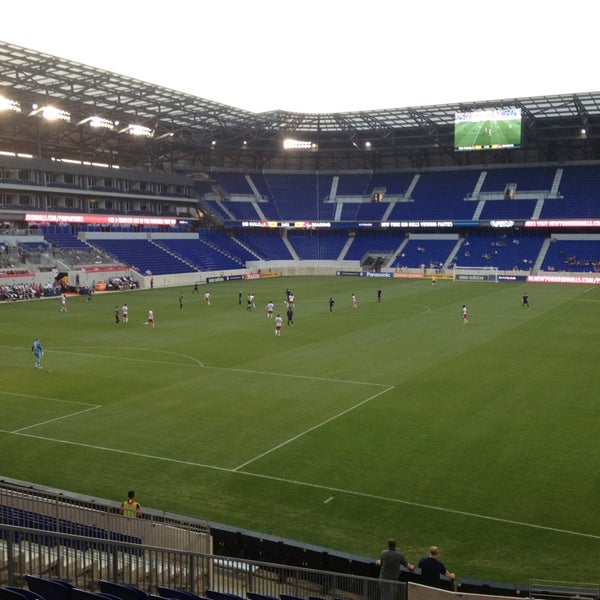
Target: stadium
(280, 465)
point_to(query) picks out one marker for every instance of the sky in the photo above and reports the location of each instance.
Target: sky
(321, 56)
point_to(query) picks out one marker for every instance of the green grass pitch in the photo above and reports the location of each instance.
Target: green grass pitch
(393, 419)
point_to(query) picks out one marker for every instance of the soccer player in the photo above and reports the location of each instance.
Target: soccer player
(36, 348)
(290, 316)
(181, 301)
(379, 293)
(278, 324)
(207, 298)
(196, 290)
(291, 301)
(354, 301)
(125, 311)
(331, 303)
(525, 301)
(63, 303)
(464, 315)
(270, 308)
(117, 318)
(150, 320)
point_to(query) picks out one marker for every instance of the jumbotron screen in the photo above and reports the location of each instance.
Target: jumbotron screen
(488, 129)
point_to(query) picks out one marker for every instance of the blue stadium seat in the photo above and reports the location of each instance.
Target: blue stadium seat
(16, 593)
(215, 595)
(257, 596)
(122, 591)
(165, 592)
(49, 589)
(79, 594)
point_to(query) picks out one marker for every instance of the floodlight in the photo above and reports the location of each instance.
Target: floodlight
(292, 144)
(139, 130)
(96, 121)
(7, 104)
(50, 113)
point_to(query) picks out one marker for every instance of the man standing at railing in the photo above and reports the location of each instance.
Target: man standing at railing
(432, 569)
(131, 508)
(391, 562)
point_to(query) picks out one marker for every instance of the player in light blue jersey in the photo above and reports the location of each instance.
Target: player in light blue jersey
(36, 348)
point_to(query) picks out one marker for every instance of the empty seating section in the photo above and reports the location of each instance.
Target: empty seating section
(580, 191)
(144, 256)
(439, 195)
(373, 243)
(216, 207)
(504, 252)
(213, 251)
(25, 518)
(567, 192)
(394, 184)
(234, 183)
(363, 211)
(508, 209)
(428, 253)
(317, 246)
(62, 238)
(295, 196)
(354, 184)
(267, 245)
(580, 256)
(244, 211)
(527, 179)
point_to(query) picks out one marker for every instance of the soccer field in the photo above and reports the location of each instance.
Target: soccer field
(392, 419)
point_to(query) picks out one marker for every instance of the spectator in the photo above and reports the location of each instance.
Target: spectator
(391, 561)
(432, 569)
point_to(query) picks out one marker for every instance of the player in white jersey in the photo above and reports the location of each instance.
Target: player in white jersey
(270, 308)
(150, 320)
(278, 324)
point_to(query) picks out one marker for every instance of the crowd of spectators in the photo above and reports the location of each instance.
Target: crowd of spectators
(122, 283)
(25, 291)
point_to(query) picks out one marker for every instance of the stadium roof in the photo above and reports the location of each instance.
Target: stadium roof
(187, 132)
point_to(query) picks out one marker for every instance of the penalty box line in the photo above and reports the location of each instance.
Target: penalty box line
(313, 428)
(89, 406)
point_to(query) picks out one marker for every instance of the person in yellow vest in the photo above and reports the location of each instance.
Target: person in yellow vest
(131, 508)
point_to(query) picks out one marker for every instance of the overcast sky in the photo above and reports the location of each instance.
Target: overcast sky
(324, 55)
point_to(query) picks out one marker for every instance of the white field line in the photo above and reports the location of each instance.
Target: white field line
(237, 470)
(328, 489)
(313, 428)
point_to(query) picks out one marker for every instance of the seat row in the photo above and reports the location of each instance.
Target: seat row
(39, 588)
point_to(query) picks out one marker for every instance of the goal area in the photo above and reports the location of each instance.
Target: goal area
(475, 274)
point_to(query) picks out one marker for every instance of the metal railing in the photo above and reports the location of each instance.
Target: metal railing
(83, 561)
